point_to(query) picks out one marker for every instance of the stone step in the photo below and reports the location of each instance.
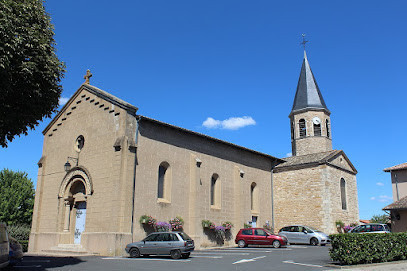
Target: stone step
(68, 250)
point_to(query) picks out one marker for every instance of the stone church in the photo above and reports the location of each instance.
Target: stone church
(103, 166)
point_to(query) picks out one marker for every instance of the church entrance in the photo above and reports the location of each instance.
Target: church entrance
(80, 221)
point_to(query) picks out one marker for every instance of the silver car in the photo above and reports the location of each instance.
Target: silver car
(371, 228)
(298, 234)
(175, 244)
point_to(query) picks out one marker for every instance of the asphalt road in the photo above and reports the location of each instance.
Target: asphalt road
(236, 259)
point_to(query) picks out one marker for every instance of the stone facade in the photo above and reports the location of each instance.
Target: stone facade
(310, 143)
(122, 153)
(311, 195)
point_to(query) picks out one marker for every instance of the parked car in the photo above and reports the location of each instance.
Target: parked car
(259, 236)
(16, 251)
(4, 246)
(175, 244)
(297, 234)
(371, 228)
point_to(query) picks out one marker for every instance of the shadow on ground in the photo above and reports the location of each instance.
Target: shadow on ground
(38, 263)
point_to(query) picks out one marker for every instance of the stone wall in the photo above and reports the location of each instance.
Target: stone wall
(312, 196)
(310, 143)
(190, 194)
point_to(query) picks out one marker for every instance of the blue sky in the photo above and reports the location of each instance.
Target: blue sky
(238, 63)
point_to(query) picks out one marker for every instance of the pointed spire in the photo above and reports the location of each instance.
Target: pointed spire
(308, 94)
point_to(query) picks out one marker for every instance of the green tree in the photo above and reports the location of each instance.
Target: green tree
(16, 197)
(382, 219)
(30, 71)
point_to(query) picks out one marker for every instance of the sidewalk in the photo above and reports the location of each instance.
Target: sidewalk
(396, 266)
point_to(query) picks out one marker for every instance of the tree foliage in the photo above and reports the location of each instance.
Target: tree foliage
(382, 219)
(16, 197)
(30, 71)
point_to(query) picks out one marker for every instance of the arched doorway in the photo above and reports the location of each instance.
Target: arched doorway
(74, 192)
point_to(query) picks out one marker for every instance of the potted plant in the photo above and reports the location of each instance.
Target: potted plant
(227, 225)
(177, 224)
(207, 224)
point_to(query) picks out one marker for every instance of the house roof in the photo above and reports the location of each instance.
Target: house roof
(210, 138)
(396, 167)
(313, 159)
(308, 95)
(398, 205)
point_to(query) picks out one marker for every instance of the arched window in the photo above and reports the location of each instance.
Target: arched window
(164, 185)
(343, 193)
(303, 128)
(292, 130)
(254, 197)
(215, 190)
(317, 129)
(327, 128)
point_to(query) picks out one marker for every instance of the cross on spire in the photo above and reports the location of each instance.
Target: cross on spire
(87, 76)
(304, 41)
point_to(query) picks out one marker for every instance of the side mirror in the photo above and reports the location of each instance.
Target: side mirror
(144, 241)
(305, 232)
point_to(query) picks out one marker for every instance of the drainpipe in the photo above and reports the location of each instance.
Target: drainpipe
(397, 186)
(272, 199)
(134, 177)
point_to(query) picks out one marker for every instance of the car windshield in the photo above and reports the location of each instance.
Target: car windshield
(309, 229)
(184, 236)
(269, 232)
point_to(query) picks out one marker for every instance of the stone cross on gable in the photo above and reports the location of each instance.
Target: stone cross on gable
(87, 76)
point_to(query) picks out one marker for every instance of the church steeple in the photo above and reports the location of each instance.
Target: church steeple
(309, 117)
(308, 95)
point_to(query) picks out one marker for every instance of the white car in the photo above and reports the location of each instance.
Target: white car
(297, 234)
(371, 228)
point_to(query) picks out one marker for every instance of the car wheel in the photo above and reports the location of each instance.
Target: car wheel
(276, 244)
(175, 254)
(241, 243)
(186, 255)
(314, 241)
(134, 253)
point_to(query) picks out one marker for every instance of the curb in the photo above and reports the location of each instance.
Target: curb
(365, 265)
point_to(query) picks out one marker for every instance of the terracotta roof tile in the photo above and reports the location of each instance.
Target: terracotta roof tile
(400, 204)
(397, 167)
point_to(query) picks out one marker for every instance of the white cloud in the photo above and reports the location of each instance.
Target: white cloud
(63, 100)
(289, 154)
(382, 198)
(211, 123)
(380, 184)
(232, 123)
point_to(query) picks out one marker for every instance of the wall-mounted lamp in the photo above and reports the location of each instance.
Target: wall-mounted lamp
(67, 165)
(241, 173)
(198, 162)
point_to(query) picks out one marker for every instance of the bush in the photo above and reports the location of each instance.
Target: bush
(21, 233)
(354, 248)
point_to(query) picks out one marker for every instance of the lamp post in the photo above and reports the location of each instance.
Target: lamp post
(67, 165)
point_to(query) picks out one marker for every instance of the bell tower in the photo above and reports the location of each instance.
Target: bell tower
(309, 118)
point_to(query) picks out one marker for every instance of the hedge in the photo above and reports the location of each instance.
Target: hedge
(354, 248)
(21, 233)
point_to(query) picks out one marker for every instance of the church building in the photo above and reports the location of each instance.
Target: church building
(104, 167)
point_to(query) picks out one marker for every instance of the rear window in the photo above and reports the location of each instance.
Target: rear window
(247, 232)
(184, 236)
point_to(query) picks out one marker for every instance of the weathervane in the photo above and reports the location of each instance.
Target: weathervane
(304, 41)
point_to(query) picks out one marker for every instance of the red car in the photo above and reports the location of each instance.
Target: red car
(259, 236)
